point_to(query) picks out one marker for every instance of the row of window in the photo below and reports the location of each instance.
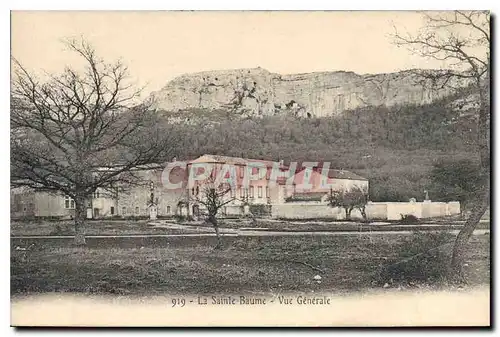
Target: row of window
(69, 203)
(137, 210)
(249, 192)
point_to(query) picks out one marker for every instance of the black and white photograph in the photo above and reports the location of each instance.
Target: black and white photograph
(250, 168)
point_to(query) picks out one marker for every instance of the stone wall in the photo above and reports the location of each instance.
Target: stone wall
(374, 210)
(306, 210)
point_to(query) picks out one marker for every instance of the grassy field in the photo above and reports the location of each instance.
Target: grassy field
(320, 225)
(96, 227)
(245, 264)
(131, 227)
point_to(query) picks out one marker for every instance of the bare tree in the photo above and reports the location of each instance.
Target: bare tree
(80, 130)
(461, 38)
(213, 197)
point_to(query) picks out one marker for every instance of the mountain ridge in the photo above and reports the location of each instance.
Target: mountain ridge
(257, 91)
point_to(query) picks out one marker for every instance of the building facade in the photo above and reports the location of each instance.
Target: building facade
(176, 189)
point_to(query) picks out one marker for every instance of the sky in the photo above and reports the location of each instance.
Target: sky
(157, 46)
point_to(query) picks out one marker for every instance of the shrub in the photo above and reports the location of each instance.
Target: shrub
(408, 219)
(422, 257)
(179, 218)
(260, 209)
(183, 218)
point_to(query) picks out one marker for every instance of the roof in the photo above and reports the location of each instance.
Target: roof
(343, 174)
(211, 158)
(332, 173)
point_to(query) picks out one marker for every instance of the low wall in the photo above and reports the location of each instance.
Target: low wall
(374, 210)
(233, 210)
(304, 210)
(421, 210)
(310, 210)
(396, 209)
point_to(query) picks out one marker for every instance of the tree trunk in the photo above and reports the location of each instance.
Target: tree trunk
(219, 239)
(363, 213)
(213, 220)
(80, 216)
(483, 138)
(348, 213)
(457, 260)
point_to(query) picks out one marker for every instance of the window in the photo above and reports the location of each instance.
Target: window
(192, 191)
(124, 210)
(96, 194)
(251, 192)
(151, 185)
(137, 210)
(112, 210)
(168, 209)
(259, 191)
(267, 192)
(69, 203)
(242, 170)
(242, 192)
(197, 190)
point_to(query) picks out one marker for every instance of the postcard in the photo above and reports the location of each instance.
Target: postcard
(250, 168)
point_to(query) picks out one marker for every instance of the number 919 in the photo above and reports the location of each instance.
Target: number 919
(178, 302)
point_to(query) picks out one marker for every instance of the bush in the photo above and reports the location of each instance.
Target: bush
(179, 218)
(408, 219)
(260, 209)
(183, 218)
(423, 257)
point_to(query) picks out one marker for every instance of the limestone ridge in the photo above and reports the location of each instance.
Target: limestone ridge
(257, 92)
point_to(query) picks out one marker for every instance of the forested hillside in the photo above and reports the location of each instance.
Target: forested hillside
(396, 148)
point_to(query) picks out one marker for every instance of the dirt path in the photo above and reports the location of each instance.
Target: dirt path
(235, 232)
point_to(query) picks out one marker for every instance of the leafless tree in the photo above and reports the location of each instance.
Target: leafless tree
(461, 38)
(213, 197)
(77, 131)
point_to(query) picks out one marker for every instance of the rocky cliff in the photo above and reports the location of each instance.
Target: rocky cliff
(260, 92)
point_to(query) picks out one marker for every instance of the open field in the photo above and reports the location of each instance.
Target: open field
(189, 265)
(329, 225)
(94, 227)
